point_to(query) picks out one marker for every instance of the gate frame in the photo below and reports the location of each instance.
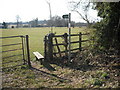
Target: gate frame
(25, 46)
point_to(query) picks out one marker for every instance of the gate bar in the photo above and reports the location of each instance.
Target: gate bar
(11, 37)
(10, 44)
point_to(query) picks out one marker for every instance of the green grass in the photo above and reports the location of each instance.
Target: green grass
(36, 36)
(26, 77)
(36, 41)
(63, 77)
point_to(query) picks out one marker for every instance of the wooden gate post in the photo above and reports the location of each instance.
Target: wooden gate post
(80, 41)
(28, 51)
(50, 46)
(66, 43)
(45, 48)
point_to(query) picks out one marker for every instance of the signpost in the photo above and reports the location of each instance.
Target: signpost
(65, 16)
(68, 16)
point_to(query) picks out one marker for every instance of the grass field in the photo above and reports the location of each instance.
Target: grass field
(36, 36)
(63, 75)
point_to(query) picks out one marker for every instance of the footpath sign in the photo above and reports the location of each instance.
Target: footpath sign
(68, 16)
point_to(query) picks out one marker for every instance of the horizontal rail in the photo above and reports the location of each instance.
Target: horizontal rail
(11, 50)
(71, 42)
(71, 35)
(63, 35)
(74, 34)
(58, 36)
(58, 44)
(12, 61)
(75, 42)
(11, 44)
(11, 37)
(85, 40)
(12, 56)
(75, 49)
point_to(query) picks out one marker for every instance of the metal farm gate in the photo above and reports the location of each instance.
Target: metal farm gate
(15, 51)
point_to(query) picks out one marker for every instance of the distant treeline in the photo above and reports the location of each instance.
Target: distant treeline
(55, 21)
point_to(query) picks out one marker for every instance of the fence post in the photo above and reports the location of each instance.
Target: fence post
(23, 49)
(45, 48)
(66, 43)
(80, 41)
(28, 51)
(50, 46)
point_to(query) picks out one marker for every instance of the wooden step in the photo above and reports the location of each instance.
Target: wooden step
(38, 55)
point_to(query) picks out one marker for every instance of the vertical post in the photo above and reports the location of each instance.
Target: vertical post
(50, 46)
(80, 39)
(66, 43)
(1, 66)
(58, 47)
(23, 49)
(45, 48)
(28, 52)
(69, 36)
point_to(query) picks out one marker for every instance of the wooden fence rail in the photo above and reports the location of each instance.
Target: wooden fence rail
(51, 38)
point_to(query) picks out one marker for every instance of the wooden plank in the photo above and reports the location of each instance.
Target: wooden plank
(58, 36)
(84, 40)
(74, 35)
(38, 55)
(70, 35)
(58, 46)
(75, 42)
(74, 49)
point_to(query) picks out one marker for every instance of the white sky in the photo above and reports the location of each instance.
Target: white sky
(31, 9)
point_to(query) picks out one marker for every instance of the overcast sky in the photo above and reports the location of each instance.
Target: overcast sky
(31, 9)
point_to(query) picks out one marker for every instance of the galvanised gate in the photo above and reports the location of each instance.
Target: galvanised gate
(15, 51)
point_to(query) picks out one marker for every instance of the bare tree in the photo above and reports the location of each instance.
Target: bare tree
(48, 2)
(17, 19)
(82, 9)
(4, 25)
(34, 23)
